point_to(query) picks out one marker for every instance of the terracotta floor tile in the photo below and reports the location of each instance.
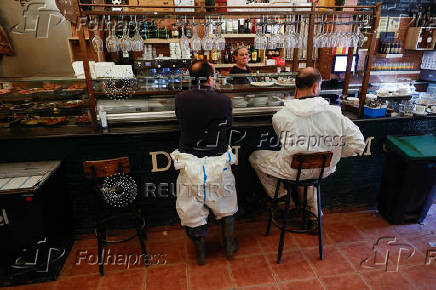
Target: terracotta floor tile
(89, 282)
(85, 244)
(262, 287)
(376, 229)
(313, 284)
(213, 275)
(421, 277)
(346, 282)
(134, 279)
(310, 241)
(166, 235)
(173, 251)
(248, 244)
(359, 252)
(343, 233)
(171, 277)
(270, 244)
(334, 263)
(250, 271)
(380, 280)
(37, 286)
(413, 230)
(293, 266)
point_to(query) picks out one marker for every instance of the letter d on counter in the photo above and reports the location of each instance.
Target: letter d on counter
(154, 161)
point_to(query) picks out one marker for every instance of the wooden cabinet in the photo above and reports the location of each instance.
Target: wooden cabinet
(152, 3)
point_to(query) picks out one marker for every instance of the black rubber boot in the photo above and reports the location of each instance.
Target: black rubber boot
(197, 235)
(230, 243)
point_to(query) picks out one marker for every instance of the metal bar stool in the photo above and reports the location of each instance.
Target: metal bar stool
(300, 161)
(97, 171)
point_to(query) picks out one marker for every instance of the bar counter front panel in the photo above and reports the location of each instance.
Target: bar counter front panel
(354, 185)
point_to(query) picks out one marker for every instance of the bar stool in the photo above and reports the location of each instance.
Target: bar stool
(300, 161)
(97, 171)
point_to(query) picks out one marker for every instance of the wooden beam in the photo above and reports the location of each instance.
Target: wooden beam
(370, 57)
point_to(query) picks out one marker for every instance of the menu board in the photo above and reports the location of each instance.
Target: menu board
(394, 7)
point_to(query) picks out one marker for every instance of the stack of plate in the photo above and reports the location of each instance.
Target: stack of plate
(239, 102)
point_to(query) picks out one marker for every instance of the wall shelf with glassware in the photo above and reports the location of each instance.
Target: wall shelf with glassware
(394, 72)
(159, 41)
(230, 65)
(389, 55)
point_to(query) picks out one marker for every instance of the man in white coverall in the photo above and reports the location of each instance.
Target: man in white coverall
(204, 157)
(306, 124)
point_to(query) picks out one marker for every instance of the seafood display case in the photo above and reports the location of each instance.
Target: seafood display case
(48, 102)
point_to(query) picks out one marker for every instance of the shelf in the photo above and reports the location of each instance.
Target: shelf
(157, 40)
(390, 55)
(175, 40)
(230, 65)
(242, 35)
(395, 72)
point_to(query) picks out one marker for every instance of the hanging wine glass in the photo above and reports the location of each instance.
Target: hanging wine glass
(112, 43)
(195, 41)
(260, 41)
(125, 42)
(207, 42)
(220, 41)
(138, 43)
(184, 41)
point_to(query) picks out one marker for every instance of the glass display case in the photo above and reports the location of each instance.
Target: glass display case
(48, 102)
(151, 99)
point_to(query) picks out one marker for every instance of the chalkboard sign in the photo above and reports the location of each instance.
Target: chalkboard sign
(395, 7)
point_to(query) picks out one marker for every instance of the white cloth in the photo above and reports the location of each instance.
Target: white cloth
(203, 184)
(308, 125)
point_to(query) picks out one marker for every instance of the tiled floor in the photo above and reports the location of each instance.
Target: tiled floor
(349, 239)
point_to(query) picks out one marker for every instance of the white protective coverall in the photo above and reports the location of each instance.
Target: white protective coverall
(306, 125)
(203, 184)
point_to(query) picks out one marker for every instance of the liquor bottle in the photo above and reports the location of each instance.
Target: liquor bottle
(229, 26)
(174, 31)
(429, 38)
(241, 26)
(213, 56)
(249, 26)
(188, 31)
(254, 55)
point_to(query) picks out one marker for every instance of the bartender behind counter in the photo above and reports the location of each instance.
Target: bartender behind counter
(241, 57)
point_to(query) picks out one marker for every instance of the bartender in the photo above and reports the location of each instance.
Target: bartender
(241, 57)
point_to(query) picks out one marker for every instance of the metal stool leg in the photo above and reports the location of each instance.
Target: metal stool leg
(100, 245)
(303, 226)
(140, 229)
(320, 244)
(285, 218)
(276, 195)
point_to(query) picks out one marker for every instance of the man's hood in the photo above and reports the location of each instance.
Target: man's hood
(307, 107)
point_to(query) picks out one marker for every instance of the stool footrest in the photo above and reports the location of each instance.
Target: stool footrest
(294, 222)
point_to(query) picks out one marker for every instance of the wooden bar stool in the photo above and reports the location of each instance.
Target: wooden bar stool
(300, 161)
(107, 212)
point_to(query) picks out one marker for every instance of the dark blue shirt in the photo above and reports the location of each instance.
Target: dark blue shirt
(205, 119)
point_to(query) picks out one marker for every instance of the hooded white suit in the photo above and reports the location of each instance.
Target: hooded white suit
(306, 125)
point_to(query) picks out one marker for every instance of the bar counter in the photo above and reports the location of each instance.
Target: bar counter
(354, 185)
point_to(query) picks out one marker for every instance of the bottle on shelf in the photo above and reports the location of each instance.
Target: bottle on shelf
(254, 55)
(429, 38)
(174, 31)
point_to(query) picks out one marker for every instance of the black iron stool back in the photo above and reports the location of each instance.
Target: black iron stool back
(300, 161)
(97, 171)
